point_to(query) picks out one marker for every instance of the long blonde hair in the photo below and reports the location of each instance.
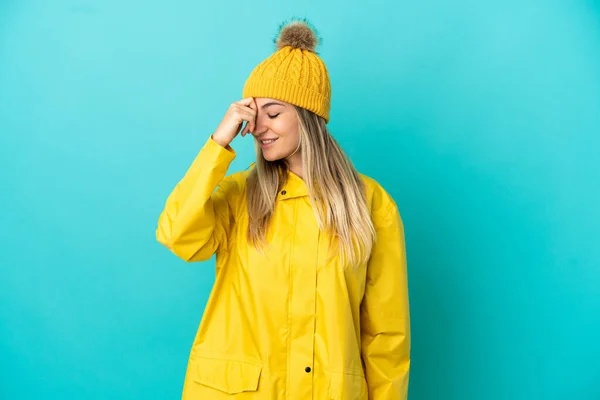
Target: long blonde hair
(335, 188)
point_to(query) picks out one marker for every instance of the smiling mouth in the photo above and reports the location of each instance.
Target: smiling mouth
(268, 141)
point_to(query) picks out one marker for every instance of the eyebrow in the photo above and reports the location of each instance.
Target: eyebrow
(272, 103)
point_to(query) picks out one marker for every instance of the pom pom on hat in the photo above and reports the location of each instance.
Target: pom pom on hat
(298, 33)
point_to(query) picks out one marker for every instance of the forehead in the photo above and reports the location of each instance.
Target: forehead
(269, 102)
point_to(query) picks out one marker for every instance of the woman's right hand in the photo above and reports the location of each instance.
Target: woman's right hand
(238, 112)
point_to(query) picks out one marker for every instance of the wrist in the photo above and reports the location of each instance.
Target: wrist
(219, 141)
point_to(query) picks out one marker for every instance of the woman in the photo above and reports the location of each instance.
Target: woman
(310, 299)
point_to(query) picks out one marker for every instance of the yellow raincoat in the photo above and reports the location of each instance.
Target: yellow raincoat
(285, 324)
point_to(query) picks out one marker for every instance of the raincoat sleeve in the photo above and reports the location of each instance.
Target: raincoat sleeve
(385, 321)
(196, 217)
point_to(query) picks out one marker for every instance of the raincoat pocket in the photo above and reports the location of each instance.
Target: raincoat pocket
(229, 376)
(346, 386)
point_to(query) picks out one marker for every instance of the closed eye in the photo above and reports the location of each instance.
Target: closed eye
(273, 116)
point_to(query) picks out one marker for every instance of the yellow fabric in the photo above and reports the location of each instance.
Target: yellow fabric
(294, 75)
(272, 316)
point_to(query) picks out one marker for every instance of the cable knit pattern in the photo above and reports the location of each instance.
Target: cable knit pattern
(294, 75)
(295, 70)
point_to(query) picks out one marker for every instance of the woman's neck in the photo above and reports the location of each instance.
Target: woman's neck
(294, 164)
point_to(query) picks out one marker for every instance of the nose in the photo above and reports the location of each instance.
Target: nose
(261, 124)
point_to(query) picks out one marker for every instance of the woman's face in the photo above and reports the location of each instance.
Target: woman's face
(276, 128)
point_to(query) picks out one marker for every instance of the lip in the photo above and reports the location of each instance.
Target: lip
(267, 145)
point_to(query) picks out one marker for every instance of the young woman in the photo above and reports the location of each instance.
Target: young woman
(311, 298)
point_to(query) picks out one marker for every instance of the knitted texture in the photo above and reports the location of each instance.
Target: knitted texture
(294, 73)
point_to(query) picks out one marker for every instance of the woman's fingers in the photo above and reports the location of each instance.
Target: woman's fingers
(245, 101)
(254, 109)
(246, 117)
(249, 118)
(246, 130)
(253, 104)
(247, 108)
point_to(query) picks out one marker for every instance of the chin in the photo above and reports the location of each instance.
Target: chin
(274, 155)
(271, 158)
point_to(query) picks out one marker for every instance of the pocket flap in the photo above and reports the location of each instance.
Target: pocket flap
(229, 376)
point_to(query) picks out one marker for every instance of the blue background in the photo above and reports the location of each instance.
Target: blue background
(482, 118)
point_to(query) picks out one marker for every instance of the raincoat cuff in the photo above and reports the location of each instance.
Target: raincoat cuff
(216, 147)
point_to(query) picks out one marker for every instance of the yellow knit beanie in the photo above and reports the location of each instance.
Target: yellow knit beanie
(294, 73)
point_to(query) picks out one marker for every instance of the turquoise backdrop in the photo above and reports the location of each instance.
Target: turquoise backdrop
(481, 118)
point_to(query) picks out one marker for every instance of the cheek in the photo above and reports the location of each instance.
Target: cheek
(290, 141)
(287, 129)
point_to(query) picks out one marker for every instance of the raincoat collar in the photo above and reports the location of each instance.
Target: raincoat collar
(294, 187)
